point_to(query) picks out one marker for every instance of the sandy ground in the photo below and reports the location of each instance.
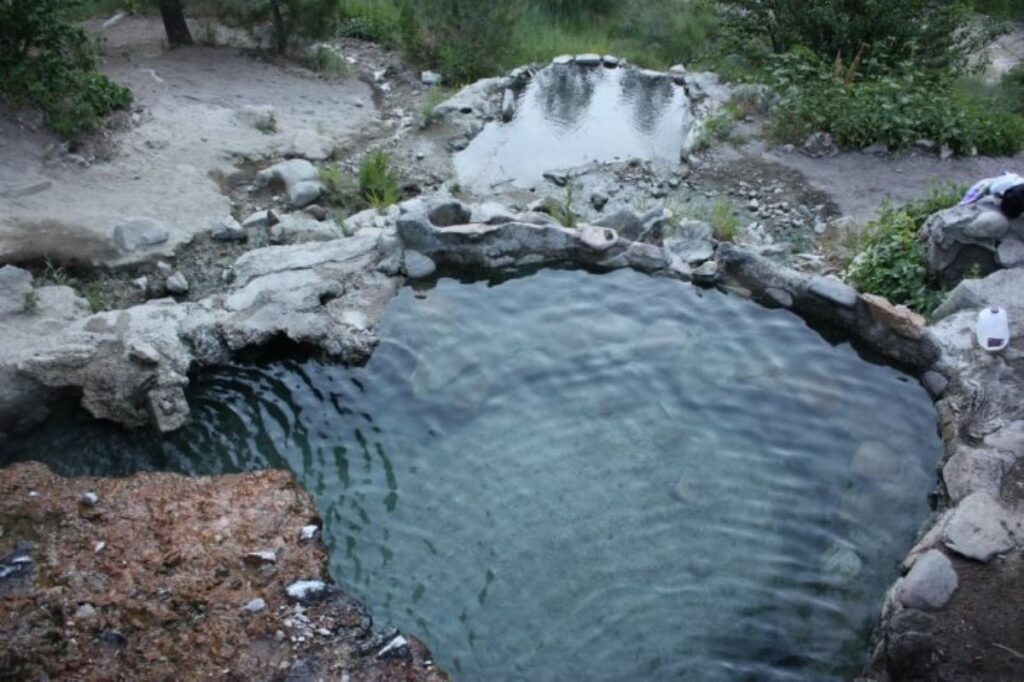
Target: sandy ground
(183, 134)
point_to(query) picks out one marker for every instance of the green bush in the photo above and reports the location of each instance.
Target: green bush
(892, 262)
(935, 33)
(897, 107)
(378, 181)
(48, 62)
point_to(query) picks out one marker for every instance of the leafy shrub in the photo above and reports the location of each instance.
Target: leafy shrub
(892, 263)
(897, 107)
(378, 182)
(467, 39)
(724, 223)
(929, 32)
(48, 62)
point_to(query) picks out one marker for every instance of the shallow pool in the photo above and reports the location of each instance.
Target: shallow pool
(568, 116)
(579, 476)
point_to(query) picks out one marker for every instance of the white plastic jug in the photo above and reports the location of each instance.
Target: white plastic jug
(993, 329)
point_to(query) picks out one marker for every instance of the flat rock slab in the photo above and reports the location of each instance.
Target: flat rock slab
(981, 528)
(139, 233)
(833, 291)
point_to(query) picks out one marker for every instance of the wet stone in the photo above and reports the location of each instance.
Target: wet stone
(930, 583)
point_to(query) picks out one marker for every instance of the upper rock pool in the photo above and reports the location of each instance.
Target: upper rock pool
(580, 476)
(568, 116)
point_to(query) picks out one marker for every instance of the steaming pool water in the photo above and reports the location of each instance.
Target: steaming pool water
(581, 476)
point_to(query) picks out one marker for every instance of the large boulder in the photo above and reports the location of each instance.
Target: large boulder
(972, 237)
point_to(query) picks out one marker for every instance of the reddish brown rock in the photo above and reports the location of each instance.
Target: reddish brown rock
(898, 318)
(152, 581)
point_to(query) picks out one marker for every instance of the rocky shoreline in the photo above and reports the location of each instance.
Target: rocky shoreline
(328, 295)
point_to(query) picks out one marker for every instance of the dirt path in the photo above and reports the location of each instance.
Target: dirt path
(184, 132)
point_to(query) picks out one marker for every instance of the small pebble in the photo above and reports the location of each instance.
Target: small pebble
(256, 605)
(99, 546)
(89, 499)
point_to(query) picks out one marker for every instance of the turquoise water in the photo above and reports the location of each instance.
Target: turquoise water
(578, 476)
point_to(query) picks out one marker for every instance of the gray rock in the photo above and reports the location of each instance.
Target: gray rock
(625, 221)
(707, 273)
(85, 613)
(89, 499)
(779, 297)
(611, 61)
(508, 105)
(834, 291)
(309, 144)
(980, 527)
(449, 213)
(430, 78)
(691, 242)
(316, 212)
(288, 173)
(296, 229)
(229, 230)
(588, 59)
(138, 233)
(15, 290)
(261, 117)
(304, 193)
(419, 266)
(177, 284)
(261, 219)
(599, 200)
(1010, 253)
(930, 584)
(256, 605)
(307, 533)
(491, 213)
(934, 383)
(307, 591)
(563, 59)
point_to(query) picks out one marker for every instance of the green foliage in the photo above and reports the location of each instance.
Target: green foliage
(323, 59)
(564, 211)
(896, 107)
(467, 39)
(435, 97)
(378, 181)
(718, 128)
(933, 33)
(1012, 89)
(725, 224)
(94, 295)
(339, 189)
(48, 62)
(57, 275)
(892, 262)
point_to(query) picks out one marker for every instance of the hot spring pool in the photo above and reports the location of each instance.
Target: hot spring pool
(578, 476)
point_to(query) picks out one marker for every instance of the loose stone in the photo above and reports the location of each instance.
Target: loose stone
(930, 583)
(256, 605)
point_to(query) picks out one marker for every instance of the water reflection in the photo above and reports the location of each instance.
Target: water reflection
(569, 116)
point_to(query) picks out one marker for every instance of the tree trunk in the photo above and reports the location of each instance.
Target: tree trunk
(280, 30)
(174, 23)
